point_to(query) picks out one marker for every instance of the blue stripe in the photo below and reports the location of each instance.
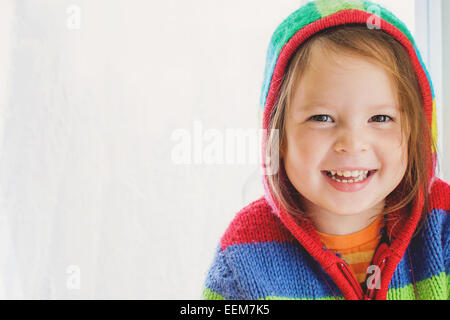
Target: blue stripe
(220, 279)
(427, 252)
(279, 269)
(422, 63)
(271, 60)
(283, 269)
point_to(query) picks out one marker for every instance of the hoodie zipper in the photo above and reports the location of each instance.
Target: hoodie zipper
(352, 280)
(371, 292)
(355, 284)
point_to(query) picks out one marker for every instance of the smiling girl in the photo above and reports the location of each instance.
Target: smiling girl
(355, 210)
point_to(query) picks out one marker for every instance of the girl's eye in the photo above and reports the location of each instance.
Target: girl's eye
(380, 116)
(322, 118)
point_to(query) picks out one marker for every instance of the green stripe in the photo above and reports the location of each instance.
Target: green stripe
(327, 7)
(289, 298)
(389, 17)
(294, 22)
(208, 294)
(283, 33)
(434, 288)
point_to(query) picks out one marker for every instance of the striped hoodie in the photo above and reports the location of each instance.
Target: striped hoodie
(266, 254)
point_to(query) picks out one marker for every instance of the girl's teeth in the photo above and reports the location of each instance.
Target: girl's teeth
(355, 175)
(351, 174)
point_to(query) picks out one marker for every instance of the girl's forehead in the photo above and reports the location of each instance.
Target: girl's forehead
(353, 80)
(327, 54)
(329, 62)
(372, 108)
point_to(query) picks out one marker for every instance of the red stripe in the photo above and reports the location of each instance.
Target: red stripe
(255, 223)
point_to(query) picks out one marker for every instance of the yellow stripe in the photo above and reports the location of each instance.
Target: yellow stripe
(361, 277)
(359, 267)
(434, 126)
(357, 257)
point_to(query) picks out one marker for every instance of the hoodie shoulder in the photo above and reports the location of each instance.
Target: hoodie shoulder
(440, 195)
(255, 222)
(438, 222)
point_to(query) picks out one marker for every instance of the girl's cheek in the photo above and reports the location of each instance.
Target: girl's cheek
(313, 138)
(390, 138)
(304, 144)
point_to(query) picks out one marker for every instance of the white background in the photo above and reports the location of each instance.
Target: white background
(88, 185)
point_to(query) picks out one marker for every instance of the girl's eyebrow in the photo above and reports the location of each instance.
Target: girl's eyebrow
(382, 106)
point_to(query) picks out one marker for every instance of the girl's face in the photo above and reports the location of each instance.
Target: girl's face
(344, 114)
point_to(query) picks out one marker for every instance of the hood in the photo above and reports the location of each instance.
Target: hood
(289, 35)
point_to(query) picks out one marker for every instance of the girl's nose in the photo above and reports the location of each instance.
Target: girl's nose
(350, 141)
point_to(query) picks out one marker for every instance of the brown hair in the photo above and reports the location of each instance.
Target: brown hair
(387, 52)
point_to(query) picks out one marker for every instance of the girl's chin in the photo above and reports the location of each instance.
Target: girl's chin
(347, 213)
(348, 209)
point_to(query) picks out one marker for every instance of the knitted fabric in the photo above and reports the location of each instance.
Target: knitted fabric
(267, 254)
(259, 258)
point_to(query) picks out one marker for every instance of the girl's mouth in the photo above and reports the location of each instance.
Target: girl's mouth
(349, 184)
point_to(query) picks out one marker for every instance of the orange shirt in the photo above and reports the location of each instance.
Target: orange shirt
(357, 249)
